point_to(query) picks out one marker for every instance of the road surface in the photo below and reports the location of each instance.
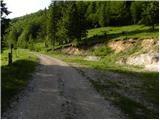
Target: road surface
(59, 91)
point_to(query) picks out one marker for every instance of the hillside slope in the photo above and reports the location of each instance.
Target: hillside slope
(133, 45)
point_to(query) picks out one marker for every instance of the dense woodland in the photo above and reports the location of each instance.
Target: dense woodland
(68, 21)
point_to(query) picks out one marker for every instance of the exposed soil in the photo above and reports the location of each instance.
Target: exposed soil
(71, 50)
(121, 45)
(124, 45)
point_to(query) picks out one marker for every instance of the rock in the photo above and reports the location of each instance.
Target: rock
(147, 55)
(143, 59)
(71, 50)
(149, 60)
(148, 43)
(124, 45)
(92, 58)
(151, 67)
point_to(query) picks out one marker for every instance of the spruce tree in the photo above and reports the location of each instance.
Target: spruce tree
(150, 13)
(4, 22)
(77, 23)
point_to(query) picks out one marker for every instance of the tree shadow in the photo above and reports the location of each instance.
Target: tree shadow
(14, 78)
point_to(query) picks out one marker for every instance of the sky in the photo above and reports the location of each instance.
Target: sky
(23, 7)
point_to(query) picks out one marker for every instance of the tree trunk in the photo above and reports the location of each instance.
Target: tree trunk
(9, 58)
(153, 27)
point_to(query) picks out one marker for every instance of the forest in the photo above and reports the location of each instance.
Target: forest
(68, 21)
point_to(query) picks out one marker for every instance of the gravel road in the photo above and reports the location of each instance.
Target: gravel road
(59, 91)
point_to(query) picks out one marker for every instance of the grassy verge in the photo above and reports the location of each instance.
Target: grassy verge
(15, 77)
(106, 63)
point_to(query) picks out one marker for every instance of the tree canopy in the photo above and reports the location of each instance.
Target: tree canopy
(4, 22)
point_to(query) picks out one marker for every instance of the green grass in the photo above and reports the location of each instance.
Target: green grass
(105, 34)
(37, 46)
(15, 77)
(131, 31)
(100, 51)
(18, 54)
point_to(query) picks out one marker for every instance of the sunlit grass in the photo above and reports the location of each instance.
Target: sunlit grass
(131, 31)
(17, 54)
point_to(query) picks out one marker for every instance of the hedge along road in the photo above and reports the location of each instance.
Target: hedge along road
(58, 91)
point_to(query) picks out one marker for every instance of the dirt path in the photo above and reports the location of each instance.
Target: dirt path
(59, 91)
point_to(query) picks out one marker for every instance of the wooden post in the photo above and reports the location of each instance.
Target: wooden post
(46, 45)
(10, 54)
